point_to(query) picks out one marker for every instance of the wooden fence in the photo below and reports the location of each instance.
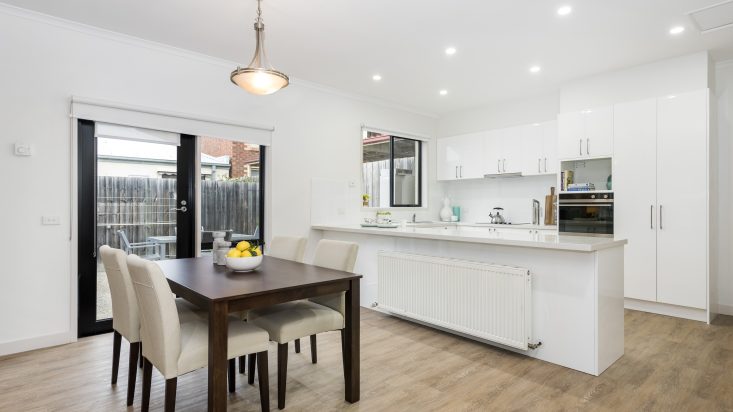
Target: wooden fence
(142, 207)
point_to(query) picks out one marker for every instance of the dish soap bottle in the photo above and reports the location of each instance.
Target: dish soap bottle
(446, 212)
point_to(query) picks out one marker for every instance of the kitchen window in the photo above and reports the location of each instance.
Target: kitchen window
(391, 170)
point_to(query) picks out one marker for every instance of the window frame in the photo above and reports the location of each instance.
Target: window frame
(420, 170)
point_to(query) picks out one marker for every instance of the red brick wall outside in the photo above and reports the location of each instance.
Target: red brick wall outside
(240, 154)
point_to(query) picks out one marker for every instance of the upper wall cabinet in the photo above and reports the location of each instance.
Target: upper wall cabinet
(503, 150)
(539, 149)
(586, 133)
(460, 157)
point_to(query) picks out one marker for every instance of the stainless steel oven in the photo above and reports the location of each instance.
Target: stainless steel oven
(585, 214)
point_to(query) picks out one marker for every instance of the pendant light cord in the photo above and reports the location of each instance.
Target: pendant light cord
(259, 11)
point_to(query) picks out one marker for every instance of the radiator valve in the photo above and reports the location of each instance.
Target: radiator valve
(375, 304)
(534, 345)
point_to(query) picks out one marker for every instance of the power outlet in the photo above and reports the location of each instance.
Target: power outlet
(50, 220)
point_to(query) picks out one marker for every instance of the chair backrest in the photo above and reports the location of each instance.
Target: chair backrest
(161, 327)
(125, 314)
(124, 242)
(287, 247)
(335, 254)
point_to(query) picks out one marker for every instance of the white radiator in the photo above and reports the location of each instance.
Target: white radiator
(488, 301)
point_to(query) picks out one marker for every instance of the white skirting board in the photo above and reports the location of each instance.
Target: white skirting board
(700, 315)
(38, 342)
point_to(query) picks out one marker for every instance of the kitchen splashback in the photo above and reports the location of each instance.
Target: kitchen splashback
(478, 197)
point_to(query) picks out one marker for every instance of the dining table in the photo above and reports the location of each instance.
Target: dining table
(221, 291)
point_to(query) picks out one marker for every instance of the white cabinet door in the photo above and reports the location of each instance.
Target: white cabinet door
(682, 169)
(549, 147)
(635, 192)
(511, 149)
(533, 158)
(570, 135)
(492, 150)
(471, 153)
(448, 157)
(598, 131)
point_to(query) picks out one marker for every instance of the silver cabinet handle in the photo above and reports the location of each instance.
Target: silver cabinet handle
(587, 146)
(580, 146)
(460, 172)
(545, 164)
(498, 165)
(651, 217)
(660, 217)
(456, 172)
(538, 165)
(503, 165)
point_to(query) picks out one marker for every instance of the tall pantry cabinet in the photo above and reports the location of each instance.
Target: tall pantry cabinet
(661, 187)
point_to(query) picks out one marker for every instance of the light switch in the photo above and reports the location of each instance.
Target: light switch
(50, 220)
(22, 149)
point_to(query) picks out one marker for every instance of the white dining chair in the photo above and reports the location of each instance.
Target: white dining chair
(281, 247)
(286, 322)
(125, 313)
(175, 347)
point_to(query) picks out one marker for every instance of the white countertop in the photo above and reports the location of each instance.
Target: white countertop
(474, 234)
(528, 226)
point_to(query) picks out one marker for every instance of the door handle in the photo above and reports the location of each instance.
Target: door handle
(660, 218)
(580, 146)
(183, 209)
(651, 217)
(587, 146)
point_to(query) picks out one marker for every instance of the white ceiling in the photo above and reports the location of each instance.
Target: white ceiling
(342, 43)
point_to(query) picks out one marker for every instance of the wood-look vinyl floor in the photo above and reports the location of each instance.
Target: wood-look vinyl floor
(670, 365)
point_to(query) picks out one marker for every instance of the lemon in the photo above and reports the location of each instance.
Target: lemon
(246, 253)
(243, 245)
(257, 251)
(234, 253)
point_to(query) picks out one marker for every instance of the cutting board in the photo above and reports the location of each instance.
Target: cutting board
(550, 207)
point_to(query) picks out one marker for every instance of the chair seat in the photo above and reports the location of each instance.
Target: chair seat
(295, 320)
(243, 340)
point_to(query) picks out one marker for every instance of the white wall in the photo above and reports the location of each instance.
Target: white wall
(46, 61)
(724, 96)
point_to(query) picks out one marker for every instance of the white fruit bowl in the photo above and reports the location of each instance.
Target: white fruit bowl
(244, 264)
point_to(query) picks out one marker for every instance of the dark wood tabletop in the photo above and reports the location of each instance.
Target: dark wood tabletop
(221, 291)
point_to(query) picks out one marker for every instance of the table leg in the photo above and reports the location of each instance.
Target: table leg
(218, 362)
(351, 344)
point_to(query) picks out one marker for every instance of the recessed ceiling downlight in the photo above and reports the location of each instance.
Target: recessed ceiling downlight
(535, 69)
(564, 10)
(443, 92)
(377, 77)
(676, 30)
(450, 51)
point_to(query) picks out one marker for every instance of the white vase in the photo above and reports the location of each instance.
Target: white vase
(446, 212)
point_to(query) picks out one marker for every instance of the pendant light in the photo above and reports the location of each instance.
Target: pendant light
(259, 77)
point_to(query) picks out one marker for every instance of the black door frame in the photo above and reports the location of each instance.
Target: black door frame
(87, 323)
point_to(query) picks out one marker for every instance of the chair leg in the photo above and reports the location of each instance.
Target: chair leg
(132, 371)
(116, 343)
(147, 376)
(343, 351)
(231, 371)
(297, 346)
(170, 394)
(242, 363)
(314, 349)
(141, 355)
(252, 363)
(264, 380)
(282, 372)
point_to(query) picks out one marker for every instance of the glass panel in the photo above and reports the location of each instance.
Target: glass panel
(375, 169)
(406, 169)
(136, 200)
(230, 190)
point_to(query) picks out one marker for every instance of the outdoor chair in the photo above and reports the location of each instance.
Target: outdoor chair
(139, 248)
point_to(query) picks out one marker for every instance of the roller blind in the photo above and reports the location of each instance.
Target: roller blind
(137, 134)
(160, 120)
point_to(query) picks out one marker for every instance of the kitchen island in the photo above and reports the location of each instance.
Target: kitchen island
(555, 298)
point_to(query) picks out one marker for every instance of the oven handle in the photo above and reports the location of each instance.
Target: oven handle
(588, 204)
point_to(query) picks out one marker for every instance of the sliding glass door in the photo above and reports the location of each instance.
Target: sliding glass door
(134, 195)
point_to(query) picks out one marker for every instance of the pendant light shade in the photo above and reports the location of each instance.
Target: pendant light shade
(259, 77)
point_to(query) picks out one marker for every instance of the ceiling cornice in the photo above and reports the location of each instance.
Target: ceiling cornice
(165, 48)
